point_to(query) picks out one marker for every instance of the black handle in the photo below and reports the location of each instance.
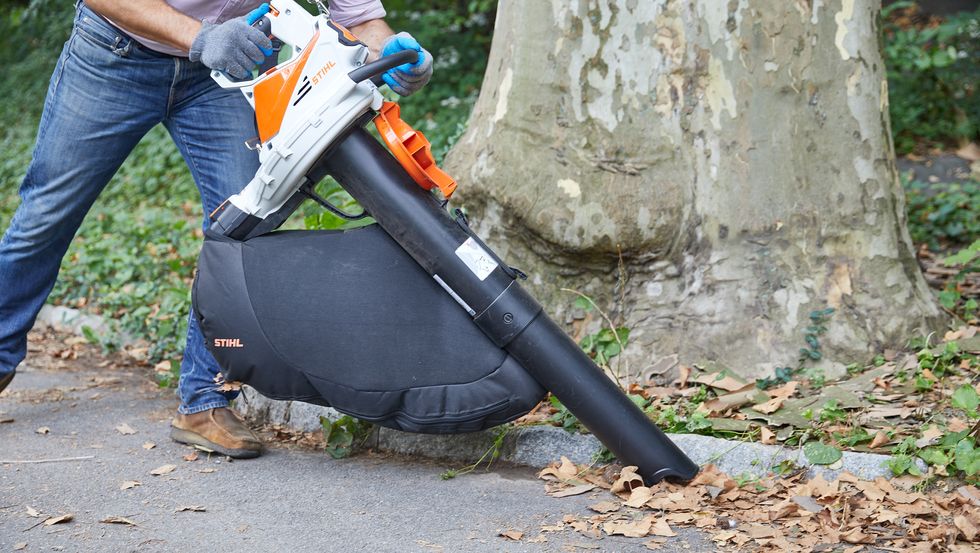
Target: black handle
(376, 68)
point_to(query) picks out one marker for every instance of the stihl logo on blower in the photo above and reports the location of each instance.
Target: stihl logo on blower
(411, 322)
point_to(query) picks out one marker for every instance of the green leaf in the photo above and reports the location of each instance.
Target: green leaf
(89, 335)
(696, 422)
(583, 303)
(967, 457)
(965, 397)
(821, 454)
(900, 464)
(341, 434)
(934, 456)
(963, 256)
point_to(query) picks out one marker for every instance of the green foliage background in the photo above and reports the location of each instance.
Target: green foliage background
(135, 253)
(933, 74)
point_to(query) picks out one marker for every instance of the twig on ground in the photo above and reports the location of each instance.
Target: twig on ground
(36, 461)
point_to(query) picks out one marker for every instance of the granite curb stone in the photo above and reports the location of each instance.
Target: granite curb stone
(534, 446)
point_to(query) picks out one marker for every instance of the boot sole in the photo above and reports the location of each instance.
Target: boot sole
(5, 381)
(198, 441)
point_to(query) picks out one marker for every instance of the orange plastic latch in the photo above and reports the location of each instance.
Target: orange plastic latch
(412, 150)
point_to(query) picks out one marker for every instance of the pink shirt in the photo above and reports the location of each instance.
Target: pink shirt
(346, 12)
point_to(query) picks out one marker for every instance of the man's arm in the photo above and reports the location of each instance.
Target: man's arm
(153, 19)
(373, 33)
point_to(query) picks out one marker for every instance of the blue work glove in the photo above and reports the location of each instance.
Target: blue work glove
(233, 47)
(409, 77)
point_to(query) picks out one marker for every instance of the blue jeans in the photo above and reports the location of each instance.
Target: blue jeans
(107, 91)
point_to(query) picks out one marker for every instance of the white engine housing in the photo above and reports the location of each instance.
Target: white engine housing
(323, 103)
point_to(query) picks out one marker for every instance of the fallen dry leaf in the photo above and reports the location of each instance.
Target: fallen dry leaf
(230, 387)
(970, 493)
(930, 436)
(149, 445)
(807, 503)
(566, 470)
(20, 546)
(785, 391)
(683, 373)
(967, 527)
(770, 406)
(721, 381)
(628, 481)
(514, 535)
(59, 520)
(757, 532)
(956, 425)
(662, 529)
(767, 436)
(192, 456)
(605, 507)
(574, 490)
(191, 508)
(125, 429)
(165, 469)
(630, 529)
(639, 496)
(32, 512)
(118, 520)
(43, 430)
(880, 439)
(856, 535)
(654, 545)
(129, 484)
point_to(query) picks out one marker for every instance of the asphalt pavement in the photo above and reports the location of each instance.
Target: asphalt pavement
(102, 421)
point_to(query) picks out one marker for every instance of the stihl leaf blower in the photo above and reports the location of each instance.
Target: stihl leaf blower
(412, 322)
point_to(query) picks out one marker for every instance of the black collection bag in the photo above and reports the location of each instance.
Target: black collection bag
(347, 319)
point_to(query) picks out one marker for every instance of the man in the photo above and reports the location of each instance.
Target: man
(127, 66)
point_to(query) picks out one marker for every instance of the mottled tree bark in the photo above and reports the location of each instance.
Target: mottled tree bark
(735, 156)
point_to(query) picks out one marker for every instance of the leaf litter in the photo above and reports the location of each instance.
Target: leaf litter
(909, 403)
(59, 519)
(162, 470)
(118, 520)
(125, 429)
(789, 513)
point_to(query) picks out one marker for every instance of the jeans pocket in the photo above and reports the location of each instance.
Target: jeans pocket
(97, 31)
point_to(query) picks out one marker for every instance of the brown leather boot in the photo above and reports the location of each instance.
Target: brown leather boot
(5, 380)
(216, 430)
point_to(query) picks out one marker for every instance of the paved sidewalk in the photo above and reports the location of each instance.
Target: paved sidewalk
(289, 500)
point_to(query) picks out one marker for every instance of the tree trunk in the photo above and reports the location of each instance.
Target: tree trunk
(708, 172)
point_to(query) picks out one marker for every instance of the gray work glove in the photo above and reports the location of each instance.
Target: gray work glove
(408, 77)
(234, 47)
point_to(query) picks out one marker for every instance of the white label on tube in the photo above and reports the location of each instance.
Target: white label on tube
(476, 258)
